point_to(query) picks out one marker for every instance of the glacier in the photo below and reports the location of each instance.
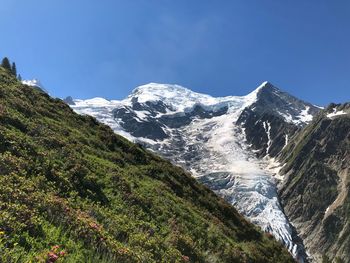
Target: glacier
(214, 150)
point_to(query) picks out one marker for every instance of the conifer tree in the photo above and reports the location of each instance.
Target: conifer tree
(19, 77)
(6, 64)
(14, 69)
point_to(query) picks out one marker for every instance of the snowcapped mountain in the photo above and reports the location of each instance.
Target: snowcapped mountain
(227, 142)
(34, 83)
(273, 118)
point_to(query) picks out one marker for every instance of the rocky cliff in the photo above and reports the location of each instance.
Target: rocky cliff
(315, 193)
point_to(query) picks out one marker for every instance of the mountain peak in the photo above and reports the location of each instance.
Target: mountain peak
(33, 83)
(264, 84)
(271, 99)
(69, 100)
(161, 90)
(267, 86)
(176, 96)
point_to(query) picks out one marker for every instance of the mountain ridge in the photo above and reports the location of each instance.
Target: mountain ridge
(315, 192)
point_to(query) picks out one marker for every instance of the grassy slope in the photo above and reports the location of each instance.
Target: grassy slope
(68, 180)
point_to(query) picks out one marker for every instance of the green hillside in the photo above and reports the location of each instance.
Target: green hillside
(73, 191)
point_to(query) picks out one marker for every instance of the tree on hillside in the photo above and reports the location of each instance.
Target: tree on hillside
(14, 69)
(19, 77)
(6, 64)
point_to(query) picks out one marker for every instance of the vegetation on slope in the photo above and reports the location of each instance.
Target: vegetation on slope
(73, 191)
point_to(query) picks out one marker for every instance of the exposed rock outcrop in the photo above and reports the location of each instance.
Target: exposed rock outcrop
(316, 191)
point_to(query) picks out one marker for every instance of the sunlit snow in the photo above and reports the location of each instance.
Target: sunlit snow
(335, 113)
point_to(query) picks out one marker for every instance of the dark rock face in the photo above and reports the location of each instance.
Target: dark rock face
(154, 125)
(265, 132)
(179, 120)
(265, 124)
(152, 107)
(316, 190)
(147, 128)
(274, 101)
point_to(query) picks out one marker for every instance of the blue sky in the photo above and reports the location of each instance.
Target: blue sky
(89, 48)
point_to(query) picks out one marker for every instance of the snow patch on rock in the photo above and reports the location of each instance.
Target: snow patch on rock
(336, 113)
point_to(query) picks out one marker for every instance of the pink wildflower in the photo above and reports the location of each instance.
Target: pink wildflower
(94, 226)
(186, 258)
(52, 257)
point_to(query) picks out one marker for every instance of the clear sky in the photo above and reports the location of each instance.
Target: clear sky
(89, 48)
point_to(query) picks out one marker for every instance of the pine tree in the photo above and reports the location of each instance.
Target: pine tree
(14, 69)
(19, 77)
(6, 64)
